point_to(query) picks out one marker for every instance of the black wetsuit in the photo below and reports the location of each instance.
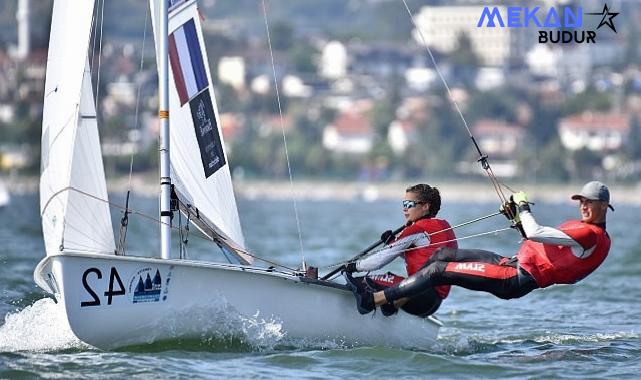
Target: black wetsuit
(469, 268)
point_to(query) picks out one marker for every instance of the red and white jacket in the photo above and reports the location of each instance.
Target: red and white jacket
(416, 243)
(562, 255)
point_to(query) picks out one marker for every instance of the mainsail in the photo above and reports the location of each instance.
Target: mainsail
(200, 171)
(73, 192)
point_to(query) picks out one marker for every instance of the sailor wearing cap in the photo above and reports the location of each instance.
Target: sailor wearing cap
(567, 254)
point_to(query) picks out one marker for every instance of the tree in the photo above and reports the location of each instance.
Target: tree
(282, 36)
(303, 55)
(590, 99)
(465, 62)
(550, 162)
(496, 104)
(633, 144)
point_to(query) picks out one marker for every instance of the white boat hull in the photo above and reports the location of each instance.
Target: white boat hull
(107, 308)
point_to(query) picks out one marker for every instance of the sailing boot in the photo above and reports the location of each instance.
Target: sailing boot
(364, 298)
(388, 309)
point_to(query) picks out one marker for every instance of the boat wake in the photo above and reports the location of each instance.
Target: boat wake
(41, 327)
(465, 345)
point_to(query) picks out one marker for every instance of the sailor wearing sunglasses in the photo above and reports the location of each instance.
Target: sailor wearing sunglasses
(415, 244)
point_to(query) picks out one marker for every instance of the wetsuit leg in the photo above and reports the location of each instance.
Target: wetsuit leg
(464, 255)
(423, 304)
(477, 270)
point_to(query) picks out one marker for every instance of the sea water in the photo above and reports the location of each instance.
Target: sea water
(588, 330)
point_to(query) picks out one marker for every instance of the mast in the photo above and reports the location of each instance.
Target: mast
(163, 113)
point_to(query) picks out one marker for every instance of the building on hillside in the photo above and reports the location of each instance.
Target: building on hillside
(334, 60)
(231, 70)
(500, 141)
(231, 125)
(383, 60)
(294, 87)
(403, 131)
(274, 123)
(598, 132)
(351, 132)
(441, 27)
(400, 134)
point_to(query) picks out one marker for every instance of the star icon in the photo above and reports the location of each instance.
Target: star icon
(607, 18)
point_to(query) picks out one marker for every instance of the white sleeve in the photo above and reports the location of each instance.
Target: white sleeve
(392, 251)
(545, 235)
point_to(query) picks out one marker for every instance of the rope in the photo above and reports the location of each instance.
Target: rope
(441, 242)
(434, 233)
(482, 158)
(153, 219)
(466, 223)
(280, 112)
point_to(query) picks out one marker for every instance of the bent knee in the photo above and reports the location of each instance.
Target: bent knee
(445, 254)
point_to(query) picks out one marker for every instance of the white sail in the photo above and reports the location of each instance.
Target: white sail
(73, 192)
(200, 171)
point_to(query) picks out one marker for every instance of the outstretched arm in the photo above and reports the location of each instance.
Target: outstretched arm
(392, 251)
(543, 234)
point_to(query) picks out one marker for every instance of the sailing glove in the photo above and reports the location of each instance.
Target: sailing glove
(350, 267)
(387, 236)
(521, 201)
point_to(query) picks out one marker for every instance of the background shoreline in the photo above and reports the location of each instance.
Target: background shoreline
(451, 190)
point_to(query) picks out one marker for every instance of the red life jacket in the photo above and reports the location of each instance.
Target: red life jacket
(557, 264)
(416, 258)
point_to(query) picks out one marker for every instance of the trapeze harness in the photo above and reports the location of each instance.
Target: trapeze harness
(417, 244)
(549, 256)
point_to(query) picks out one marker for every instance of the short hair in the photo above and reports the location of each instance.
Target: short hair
(427, 194)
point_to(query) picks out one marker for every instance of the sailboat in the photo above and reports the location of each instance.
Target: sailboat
(112, 299)
(5, 198)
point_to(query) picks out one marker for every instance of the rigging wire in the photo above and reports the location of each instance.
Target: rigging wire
(442, 242)
(184, 234)
(451, 228)
(156, 220)
(124, 222)
(94, 21)
(482, 158)
(140, 70)
(282, 127)
(102, 22)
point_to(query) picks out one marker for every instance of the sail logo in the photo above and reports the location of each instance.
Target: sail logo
(207, 135)
(146, 286)
(203, 122)
(567, 22)
(474, 267)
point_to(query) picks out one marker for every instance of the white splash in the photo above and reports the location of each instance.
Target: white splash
(217, 320)
(262, 333)
(41, 327)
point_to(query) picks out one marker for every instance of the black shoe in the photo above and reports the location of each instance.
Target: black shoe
(389, 309)
(364, 298)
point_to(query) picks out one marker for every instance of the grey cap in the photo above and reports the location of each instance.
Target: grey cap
(595, 191)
